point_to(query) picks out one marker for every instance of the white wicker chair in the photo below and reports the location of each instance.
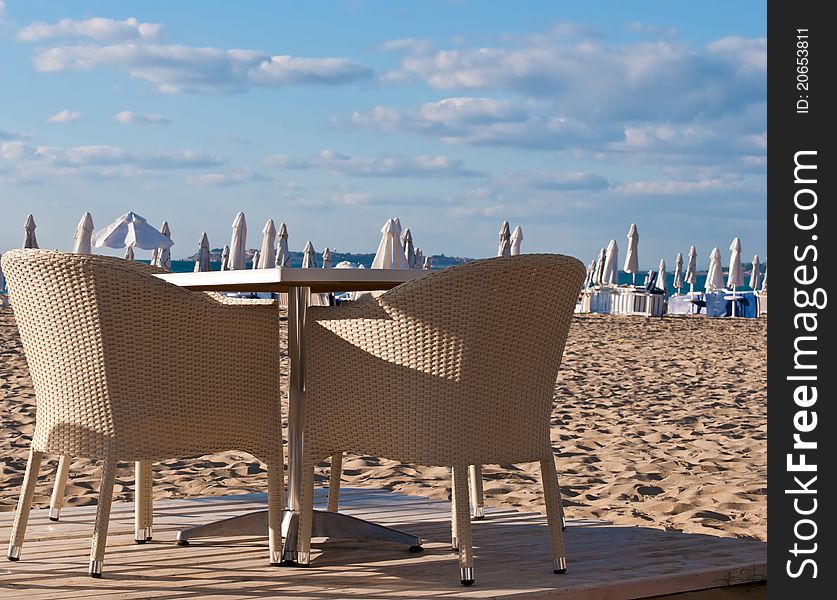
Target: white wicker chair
(431, 373)
(86, 322)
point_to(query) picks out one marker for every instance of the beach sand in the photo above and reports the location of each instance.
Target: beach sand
(658, 422)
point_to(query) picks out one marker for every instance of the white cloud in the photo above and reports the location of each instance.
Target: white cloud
(127, 116)
(229, 179)
(380, 166)
(488, 122)
(65, 116)
(177, 69)
(590, 79)
(95, 28)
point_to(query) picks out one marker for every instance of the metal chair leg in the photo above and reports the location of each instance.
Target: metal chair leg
(462, 517)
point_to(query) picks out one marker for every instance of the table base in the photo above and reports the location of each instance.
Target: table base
(324, 524)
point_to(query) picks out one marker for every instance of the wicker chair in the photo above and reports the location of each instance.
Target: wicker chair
(88, 324)
(454, 369)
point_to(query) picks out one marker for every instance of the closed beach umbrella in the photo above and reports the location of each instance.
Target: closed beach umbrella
(736, 273)
(611, 265)
(129, 253)
(504, 249)
(409, 249)
(755, 275)
(715, 277)
(598, 278)
(419, 258)
(82, 240)
(225, 258)
(661, 276)
(283, 256)
(326, 258)
(632, 254)
(29, 239)
(678, 272)
(591, 272)
(203, 262)
(255, 263)
(131, 229)
(238, 243)
(691, 269)
(309, 256)
(516, 239)
(428, 263)
(764, 283)
(267, 252)
(164, 253)
(390, 254)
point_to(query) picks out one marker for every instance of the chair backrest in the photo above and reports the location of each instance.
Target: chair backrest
(470, 352)
(123, 363)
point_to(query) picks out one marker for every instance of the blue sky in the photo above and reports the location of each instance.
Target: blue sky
(570, 119)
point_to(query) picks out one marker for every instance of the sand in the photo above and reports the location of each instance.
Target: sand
(658, 422)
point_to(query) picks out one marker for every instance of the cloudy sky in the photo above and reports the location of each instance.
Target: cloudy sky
(571, 119)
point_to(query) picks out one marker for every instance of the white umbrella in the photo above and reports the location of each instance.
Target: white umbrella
(29, 239)
(267, 252)
(591, 272)
(309, 257)
(390, 254)
(611, 265)
(428, 263)
(225, 258)
(764, 283)
(736, 273)
(632, 254)
(238, 243)
(131, 229)
(504, 249)
(678, 272)
(516, 239)
(598, 277)
(419, 259)
(203, 262)
(661, 276)
(409, 249)
(326, 258)
(755, 276)
(648, 277)
(691, 269)
(283, 257)
(84, 232)
(715, 277)
(129, 253)
(255, 263)
(164, 254)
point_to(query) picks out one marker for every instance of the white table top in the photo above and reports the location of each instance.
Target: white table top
(281, 279)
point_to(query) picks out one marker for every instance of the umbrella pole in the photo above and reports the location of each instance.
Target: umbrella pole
(633, 279)
(733, 300)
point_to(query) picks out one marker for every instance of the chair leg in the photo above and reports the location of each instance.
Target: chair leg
(306, 515)
(454, 538)
(275, 502)
(462, 525)
(334, 482)
(551, 492)
(143, 501)
(24, 504)
(56, 502)
(477, 500)
(100, 529)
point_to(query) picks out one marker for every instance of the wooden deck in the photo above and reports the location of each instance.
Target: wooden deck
(512, 557)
